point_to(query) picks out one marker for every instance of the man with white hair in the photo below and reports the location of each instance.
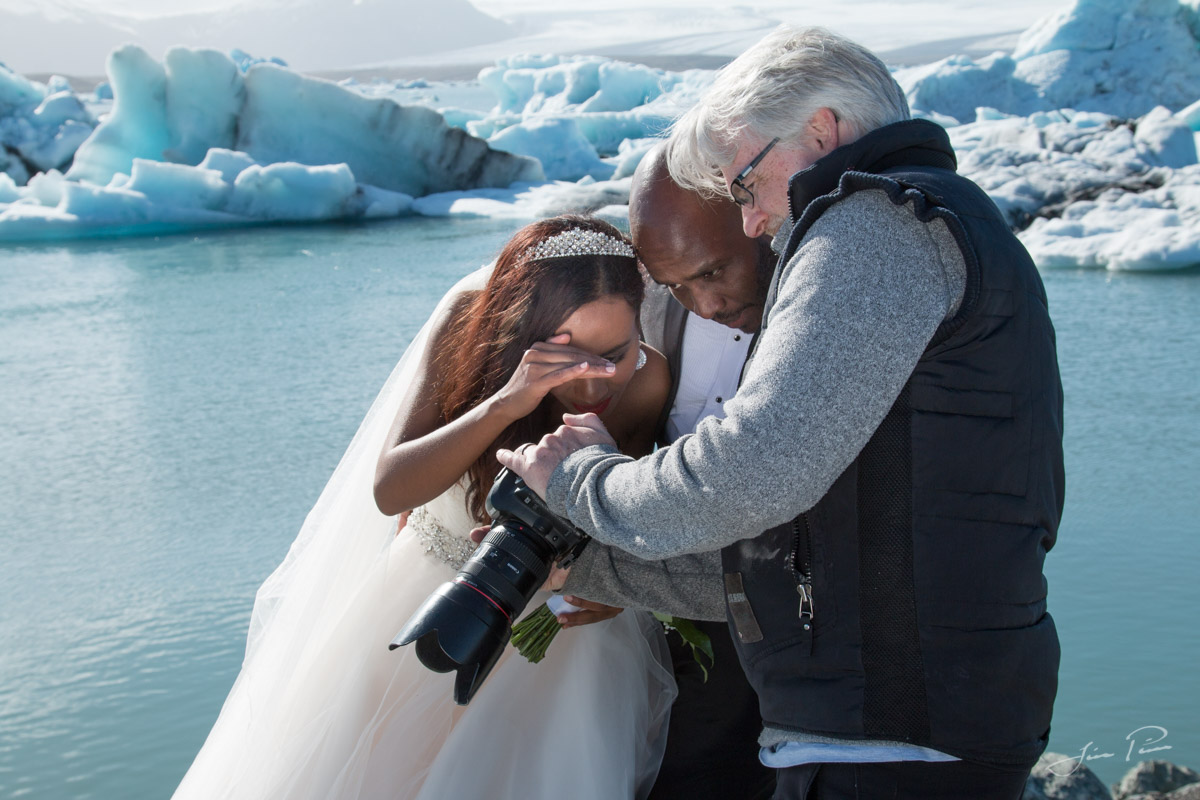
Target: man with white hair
(889, 476)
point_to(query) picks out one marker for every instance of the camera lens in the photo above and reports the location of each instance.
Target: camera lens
(465, 624)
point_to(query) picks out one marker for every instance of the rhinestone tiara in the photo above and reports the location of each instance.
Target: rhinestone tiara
(580, 242)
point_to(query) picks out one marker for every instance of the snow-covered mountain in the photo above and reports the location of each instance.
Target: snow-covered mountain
(59, 37)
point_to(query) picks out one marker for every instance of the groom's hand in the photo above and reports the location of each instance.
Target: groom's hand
(537, 462)
(590, 612)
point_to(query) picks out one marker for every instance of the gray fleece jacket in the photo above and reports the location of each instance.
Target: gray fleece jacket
(856, 306)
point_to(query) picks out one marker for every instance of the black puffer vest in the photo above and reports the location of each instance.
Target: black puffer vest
(909, 603)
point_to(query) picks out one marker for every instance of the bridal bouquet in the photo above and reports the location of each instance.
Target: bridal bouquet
(533, 635)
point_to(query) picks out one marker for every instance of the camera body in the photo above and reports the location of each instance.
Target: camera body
(466, 623)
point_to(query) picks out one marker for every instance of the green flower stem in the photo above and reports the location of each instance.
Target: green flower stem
(533, 635)
(695, 638)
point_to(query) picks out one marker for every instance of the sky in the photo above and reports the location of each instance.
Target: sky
(609, 27)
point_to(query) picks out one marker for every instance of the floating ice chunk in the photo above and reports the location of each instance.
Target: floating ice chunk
(606, 130)
(12, 168)
(410, 149)
(564, 152)
(617, 215)
(17, 92)
(1190, 116)
(630, 153)
(179, 185)
(1163, 140)
(58, 84)
(229, 163)
(488, 126)
(460, 117)
(104, 205)
(57, 150)
(526, 201)
(530, 84)
(40, 127)
(173, 197)
(623, 86)
(1156, 230)
(378, 202)
(1038, 165)
(46, 188)
(582, 84)
(944, 120)
(245, 61)
(295, 192)
(956, 85)
(204, 95)
(175, 112)
(1089, 189)
(194, 142)
(610, 101)
(137, 126)
(8, 190)
(1089, 25)
(1121, 57)
(59, 108)
(989, 114)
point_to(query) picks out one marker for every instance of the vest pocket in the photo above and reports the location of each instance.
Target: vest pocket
(770, 608)
(969, 440)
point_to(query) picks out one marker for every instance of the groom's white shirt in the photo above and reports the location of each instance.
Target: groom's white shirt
(711, 362)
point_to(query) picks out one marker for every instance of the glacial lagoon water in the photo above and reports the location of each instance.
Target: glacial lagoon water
(170, 408)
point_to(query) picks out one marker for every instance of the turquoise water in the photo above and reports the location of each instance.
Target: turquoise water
(170, 409)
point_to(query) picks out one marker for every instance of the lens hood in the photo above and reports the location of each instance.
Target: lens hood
(457, 629)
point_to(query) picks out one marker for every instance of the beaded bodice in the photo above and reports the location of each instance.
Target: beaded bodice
(442, 526)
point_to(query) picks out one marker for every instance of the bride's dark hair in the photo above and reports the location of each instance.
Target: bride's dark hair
(525, 301)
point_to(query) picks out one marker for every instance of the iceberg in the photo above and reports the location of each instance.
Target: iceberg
(409, 149)
(1086, 189)
(1156, 229)
(1120, 57)
(565, 153)
(1085, 136)
(609, 102)
(41, 125)
(528, 201)
(198, 140)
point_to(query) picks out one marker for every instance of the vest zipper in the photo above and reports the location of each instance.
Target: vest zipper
(802, 568)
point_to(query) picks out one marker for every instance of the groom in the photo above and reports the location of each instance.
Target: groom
(888, 478)
(701, 312)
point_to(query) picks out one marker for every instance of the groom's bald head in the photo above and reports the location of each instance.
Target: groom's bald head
(696, 247)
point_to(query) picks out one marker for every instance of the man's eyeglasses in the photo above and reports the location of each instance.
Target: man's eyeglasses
(742, 195)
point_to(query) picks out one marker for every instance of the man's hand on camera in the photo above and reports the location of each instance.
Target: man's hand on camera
(537, 462)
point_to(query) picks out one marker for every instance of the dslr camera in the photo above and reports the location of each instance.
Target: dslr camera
(465, 624)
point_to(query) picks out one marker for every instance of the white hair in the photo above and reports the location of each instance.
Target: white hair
(774, 89)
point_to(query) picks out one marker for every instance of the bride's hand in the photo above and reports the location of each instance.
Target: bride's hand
(543, 367)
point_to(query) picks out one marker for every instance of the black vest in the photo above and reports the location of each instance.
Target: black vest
(909, 603)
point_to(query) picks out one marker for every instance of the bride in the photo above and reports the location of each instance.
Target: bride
(322, 708)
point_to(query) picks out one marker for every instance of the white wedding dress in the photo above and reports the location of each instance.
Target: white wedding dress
(322, 708)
